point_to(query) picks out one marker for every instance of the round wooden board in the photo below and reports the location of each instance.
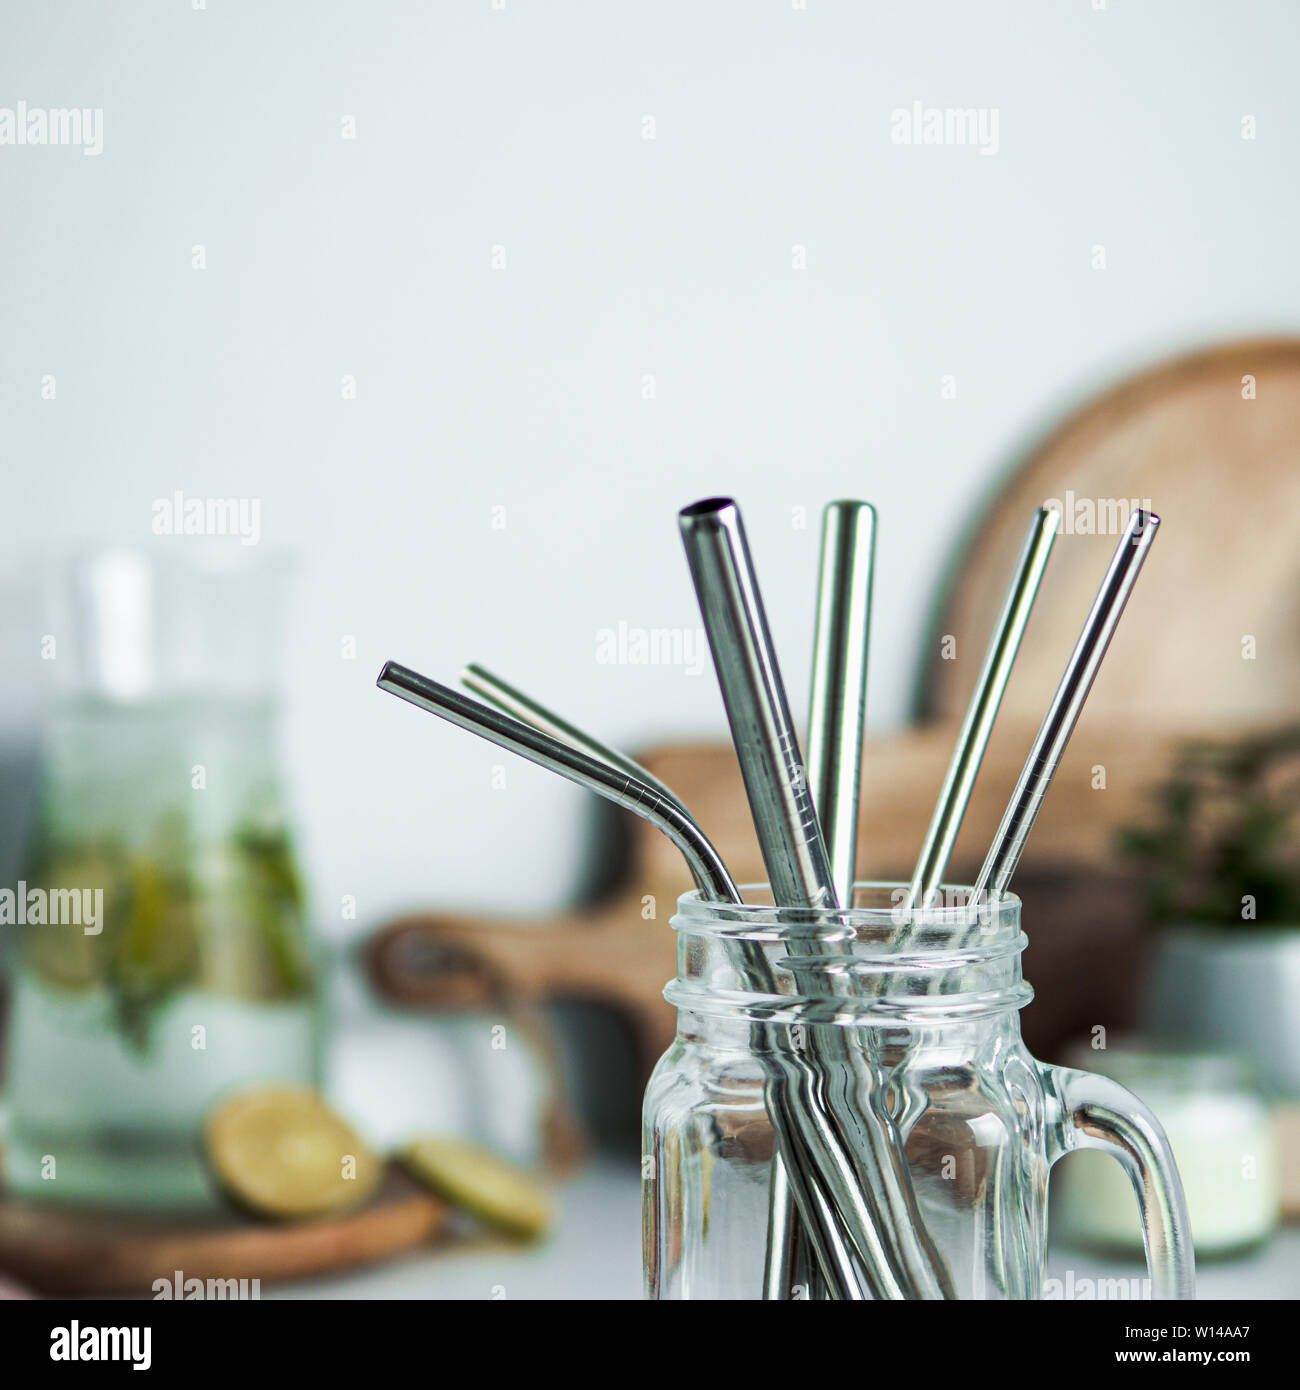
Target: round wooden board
(1223, 473)
(65, 1251)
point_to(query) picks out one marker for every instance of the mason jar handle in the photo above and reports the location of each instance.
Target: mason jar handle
(1098, 1113)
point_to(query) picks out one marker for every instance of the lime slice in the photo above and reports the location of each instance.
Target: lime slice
(64, 954)
(280, 1151)
(484, 1184)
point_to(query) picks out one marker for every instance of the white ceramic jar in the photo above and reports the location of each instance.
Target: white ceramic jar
(1222, 1136)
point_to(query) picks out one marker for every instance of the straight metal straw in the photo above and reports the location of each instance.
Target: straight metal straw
(982, 711)
(1067, 704)
(871, 1203)
(836, 722)
(667, 814)
(1057, 726)
(775, 783)
(753, 694)
(838, 708)
(836, 729)
(968, 754)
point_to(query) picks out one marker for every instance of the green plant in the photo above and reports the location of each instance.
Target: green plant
(1224, 849)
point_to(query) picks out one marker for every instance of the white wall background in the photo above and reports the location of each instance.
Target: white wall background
(522, 127)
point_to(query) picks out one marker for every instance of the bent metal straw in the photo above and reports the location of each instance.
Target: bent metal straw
(804, 1136)
(881, 1221)
(523, 707)
(665, 813)
(528, 711)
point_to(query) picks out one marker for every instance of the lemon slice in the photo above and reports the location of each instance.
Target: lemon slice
(497, 1192)
(280, 1151)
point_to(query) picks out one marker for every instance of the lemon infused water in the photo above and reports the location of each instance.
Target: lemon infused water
(158, 792)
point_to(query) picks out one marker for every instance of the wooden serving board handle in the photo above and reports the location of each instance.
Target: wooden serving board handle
(610, 955)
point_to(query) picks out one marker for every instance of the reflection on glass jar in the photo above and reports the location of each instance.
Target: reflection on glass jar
(160, 801)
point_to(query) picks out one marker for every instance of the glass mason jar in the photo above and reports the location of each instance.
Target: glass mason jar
(164, 957)
(912, 1024)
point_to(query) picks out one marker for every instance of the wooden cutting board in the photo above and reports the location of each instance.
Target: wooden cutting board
(76, 1250)
(1222, 467)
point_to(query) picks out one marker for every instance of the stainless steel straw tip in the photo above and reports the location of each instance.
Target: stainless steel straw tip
(401, 680)
(719, 509)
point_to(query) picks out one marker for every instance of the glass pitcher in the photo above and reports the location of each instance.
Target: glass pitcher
(165, 957)
(924, 1008)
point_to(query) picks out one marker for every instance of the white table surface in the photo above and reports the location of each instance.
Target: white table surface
(595, 1253)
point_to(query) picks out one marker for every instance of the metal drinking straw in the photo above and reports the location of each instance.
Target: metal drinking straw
(982, 711)
(797, 1131)
(835, 732)
(629, 792)
(875, 1209)
(1059, 723)
(523, 707)
(838, 708)
(753, 694)
(528, 711)
(836, 729)
(531, 712)
(1067, 704)
(968, 754)
(836, 722)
